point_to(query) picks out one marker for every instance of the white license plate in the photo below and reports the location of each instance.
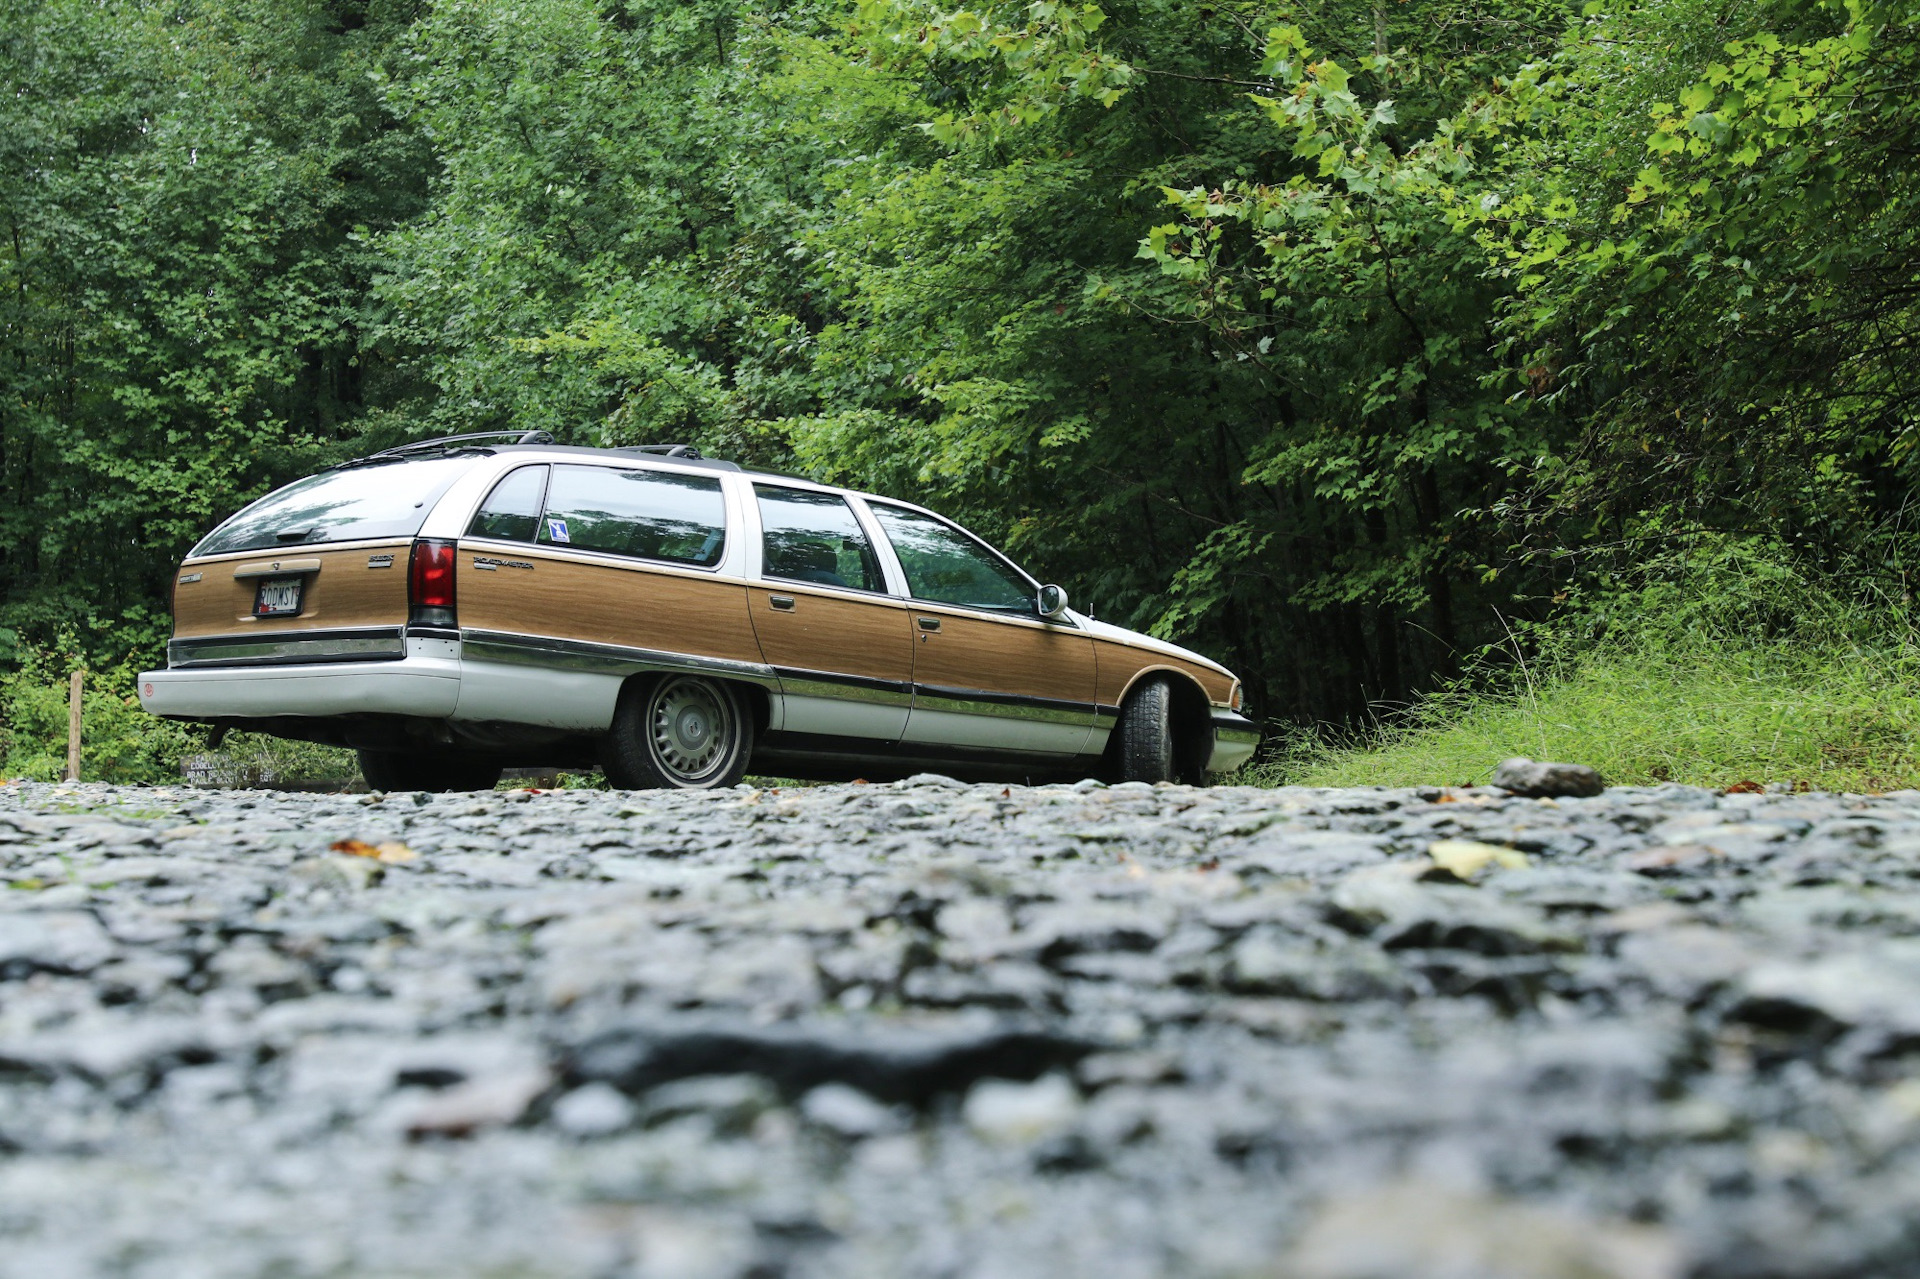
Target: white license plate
(278, 597)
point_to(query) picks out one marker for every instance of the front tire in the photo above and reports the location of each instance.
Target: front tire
(1145, 730)
(679, 732)
(418, 771)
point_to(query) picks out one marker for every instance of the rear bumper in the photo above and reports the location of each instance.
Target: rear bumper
(426, 682)
(1234, 740)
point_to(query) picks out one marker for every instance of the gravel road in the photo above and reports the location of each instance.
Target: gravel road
(972, 1032)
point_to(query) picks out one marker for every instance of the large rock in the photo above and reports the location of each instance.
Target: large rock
(1539, 780)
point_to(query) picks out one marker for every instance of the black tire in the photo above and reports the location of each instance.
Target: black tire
(678, 732)
(1145, 749)
(420, 770)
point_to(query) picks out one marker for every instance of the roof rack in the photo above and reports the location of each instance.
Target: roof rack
(663, 450)
(441, 442)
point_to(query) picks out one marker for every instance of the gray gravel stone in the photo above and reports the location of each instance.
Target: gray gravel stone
(934, 1029)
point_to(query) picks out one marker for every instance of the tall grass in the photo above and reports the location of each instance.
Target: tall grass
(1745, 668)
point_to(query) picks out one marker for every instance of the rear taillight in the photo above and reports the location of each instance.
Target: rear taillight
(430, 584)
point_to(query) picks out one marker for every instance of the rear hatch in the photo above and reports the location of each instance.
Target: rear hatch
(316, 571)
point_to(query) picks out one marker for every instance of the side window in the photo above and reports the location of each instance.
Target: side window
(945, 566)
(652, 514)
(814, 537)
(512, 510)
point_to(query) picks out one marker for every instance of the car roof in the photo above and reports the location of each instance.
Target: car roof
(652, 458)
(539, 445)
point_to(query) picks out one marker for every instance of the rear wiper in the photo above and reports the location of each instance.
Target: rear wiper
(295, 535)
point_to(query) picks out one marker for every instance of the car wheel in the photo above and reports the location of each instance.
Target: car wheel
(1145, 751)
(681, 731)
(412, 770)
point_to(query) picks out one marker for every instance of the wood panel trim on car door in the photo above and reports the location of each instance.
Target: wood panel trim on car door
(988, 679)
(844, 658)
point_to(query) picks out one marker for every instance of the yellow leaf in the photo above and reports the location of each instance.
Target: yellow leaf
(1466, 858)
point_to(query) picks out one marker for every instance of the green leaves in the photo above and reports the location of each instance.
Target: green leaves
(1038, 58)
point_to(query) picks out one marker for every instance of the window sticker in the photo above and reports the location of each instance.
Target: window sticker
(557, 531)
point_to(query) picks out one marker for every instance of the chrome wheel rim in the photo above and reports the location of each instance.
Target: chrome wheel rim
(690, 728)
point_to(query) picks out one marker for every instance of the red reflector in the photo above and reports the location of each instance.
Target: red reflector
(430, 575)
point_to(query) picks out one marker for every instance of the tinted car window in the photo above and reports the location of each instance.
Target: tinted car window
(512, 510)
(946, 566)
(387, 500)
(653, 514)
(814, 537)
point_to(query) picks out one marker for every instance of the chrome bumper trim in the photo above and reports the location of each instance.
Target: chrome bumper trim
(288, 648)
(425, 682)
(1235, 738)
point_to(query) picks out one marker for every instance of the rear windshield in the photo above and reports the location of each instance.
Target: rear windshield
(388, 500)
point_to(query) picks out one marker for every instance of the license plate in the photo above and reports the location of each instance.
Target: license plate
(278, 597)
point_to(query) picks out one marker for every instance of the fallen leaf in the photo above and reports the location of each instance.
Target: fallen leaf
(1466, 858)
(390, 851)
(1746, 788)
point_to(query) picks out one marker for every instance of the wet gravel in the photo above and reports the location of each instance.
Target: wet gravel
(976, 1032)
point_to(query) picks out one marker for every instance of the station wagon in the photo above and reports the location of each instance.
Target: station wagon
(454, 607)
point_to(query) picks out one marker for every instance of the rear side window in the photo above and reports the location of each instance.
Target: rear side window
(512, 510)
(386, 500)
(655, 515)
(814, 537)
(945, 566)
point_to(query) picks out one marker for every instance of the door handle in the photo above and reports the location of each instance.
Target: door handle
(782, 602)
(929, 623)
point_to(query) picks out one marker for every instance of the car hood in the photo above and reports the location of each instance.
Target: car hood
(1120, 634)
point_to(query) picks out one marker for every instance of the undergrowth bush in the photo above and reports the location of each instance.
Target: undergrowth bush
(1733, 662)
(119, 742)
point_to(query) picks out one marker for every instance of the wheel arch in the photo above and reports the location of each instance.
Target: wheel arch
(755, 697)
(1192, 718)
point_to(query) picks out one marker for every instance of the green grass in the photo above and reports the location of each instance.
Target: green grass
(1831, 717)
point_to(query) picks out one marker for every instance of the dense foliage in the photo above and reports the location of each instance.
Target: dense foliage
(1336, 343)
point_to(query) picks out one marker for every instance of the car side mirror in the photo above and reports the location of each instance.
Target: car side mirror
(1052, 602)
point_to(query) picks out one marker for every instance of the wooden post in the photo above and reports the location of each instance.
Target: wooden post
(73, 728)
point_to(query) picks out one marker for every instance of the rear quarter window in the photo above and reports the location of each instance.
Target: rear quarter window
(655, 515)
(383, 501)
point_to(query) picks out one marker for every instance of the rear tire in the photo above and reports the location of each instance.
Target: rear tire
(1146, 752)
(678, 732)
(420, 771)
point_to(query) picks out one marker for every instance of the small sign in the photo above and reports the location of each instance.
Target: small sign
(557, 530)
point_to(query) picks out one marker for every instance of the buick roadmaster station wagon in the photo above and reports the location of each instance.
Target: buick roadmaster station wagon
(455, 606)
